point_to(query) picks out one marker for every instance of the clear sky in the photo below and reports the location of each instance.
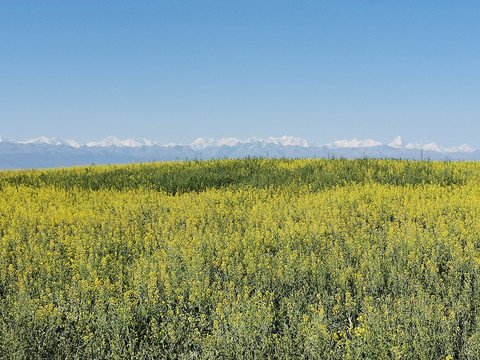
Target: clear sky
(175, 70)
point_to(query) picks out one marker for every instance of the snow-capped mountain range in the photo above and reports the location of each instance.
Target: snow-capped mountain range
(46, 152)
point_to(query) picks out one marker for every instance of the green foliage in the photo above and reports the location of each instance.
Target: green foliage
(241, 259)
(181, 177)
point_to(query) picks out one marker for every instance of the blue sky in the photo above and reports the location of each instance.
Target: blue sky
(173, 71)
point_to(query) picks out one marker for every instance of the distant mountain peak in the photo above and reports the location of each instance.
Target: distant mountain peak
(425, 147)
(206, 142)
(463, 148)
(114, 141)
(202, 143)
(42, 140)
(396, 143)
(288, 141)
(354, 143)
(44, 152)
(73, 143)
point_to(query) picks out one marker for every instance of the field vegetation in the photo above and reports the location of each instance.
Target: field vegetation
(242, 259)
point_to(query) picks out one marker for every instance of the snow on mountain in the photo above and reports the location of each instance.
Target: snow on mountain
(72, 143)
(396, 143)
(202, 143)
(231, 141)
(432, 147)
(46, 152)
(284, 141)
(43, 140)
(354, 143)
(113, 141)
(427, 147)
(463, 148)
(436, 148)
(288, 141)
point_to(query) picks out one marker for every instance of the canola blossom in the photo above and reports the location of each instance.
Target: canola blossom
(242, 259)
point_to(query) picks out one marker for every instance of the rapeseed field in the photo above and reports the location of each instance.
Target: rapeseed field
(242, 259)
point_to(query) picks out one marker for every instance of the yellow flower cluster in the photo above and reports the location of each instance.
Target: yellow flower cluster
(242, 259)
